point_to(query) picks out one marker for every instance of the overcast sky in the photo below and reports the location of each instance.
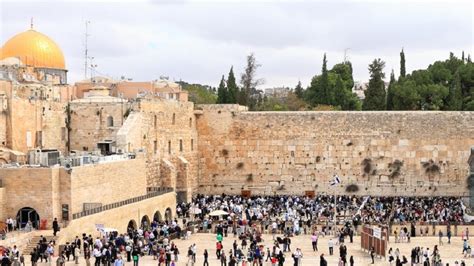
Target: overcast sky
(198, 41)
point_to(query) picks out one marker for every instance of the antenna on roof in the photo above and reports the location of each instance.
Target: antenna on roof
(31, 23)
(86, 36)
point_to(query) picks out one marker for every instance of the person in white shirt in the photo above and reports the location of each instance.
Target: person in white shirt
(331, 246)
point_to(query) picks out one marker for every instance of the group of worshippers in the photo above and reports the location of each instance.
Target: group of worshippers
(116, 249)
(283, 214)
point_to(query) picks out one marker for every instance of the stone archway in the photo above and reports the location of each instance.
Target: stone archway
(27, 215)
(157, 217)
(145, 222)
(132, 225)
(168, 215)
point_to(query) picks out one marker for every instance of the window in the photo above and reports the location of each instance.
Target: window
(192, 144)
(174, 118)
(155, 121)
(190, 122)
(181, 145)
(169, 147)
(155, 147)
(110, 121)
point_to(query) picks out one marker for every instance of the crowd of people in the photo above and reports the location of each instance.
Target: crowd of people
(247, 220)
(324, 208)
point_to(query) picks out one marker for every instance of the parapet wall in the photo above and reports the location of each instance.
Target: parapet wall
(382, 153)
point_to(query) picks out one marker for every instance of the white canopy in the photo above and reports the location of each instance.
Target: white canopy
(218, 213)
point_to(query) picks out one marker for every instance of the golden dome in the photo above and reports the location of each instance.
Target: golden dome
(34, 49)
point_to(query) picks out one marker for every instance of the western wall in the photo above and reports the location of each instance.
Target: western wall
(376, 153)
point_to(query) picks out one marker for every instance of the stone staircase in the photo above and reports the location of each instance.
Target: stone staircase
(33, 242)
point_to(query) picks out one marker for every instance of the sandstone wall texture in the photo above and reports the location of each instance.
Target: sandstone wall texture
(168, 131)
(107, 183)
(31, 187)
(382, 153)
(90, 123)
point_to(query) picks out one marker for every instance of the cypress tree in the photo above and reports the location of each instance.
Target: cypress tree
(402, 64)
(299, 90)
(325, 91)
(375, 93)
(390, 91)
(232, 89)
(462, 57)
(222, 92)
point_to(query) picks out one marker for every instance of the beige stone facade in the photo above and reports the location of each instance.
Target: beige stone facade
(383, 153)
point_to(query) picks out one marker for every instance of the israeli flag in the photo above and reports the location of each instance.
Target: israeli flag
(335, 180)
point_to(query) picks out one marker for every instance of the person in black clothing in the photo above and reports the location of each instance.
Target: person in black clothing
(372, 254)
(206, 255)
(281, 258)
(34, 257)
(55, 226)
(322, 261)
(67, 250)
(351, 261)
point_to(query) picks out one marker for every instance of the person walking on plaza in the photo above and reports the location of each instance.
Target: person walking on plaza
(372, 254)
(297, 256)
(331, 246)
(440, 235)
(206, 256)
(55, 226)
(449, 235)
(322, 260)
(314, 241)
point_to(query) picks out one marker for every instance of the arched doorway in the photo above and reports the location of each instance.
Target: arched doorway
(168, 215)
(157, 217)
(27, 214)
(132, 225)
(145, 223)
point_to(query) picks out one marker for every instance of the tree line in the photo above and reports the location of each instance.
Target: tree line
(444, 85)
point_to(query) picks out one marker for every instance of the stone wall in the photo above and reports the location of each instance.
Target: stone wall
(382, 153)
(3, 204)
(36, 124)
(118, 218)
(107, 183)
(89, 122)
(32, 187)
(166, 130)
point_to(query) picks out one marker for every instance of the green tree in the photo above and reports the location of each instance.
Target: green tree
(339, 93)
(319, 90)
(345, 71)
(390, 91)
(455, 94)
(405, 96)
(199, 94)
(249, 80)
(222, 92)
(375, 93)
(299, 90)
(402, 64)
(432, 96)
(232, 89)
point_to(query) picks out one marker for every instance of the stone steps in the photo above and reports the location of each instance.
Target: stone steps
(34, 242)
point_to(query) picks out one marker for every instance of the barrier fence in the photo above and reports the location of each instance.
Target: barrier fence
(151, 193)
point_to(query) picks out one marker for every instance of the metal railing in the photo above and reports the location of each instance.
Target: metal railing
(154, 193)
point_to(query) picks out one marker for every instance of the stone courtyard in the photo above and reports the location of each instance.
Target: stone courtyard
(449, 253)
